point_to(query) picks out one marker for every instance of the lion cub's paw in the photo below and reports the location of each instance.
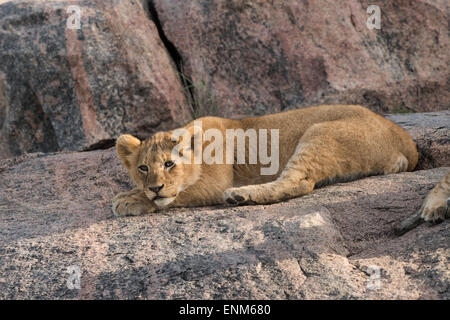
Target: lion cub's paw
(435, 209)
(130, 207)
(237, 196)
(131, 203)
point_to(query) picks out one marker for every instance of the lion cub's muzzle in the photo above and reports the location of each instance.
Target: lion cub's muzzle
(154, 193)
(156, 189)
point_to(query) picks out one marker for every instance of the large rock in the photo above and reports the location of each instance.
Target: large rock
(70, 89)
(260, 56)
(336, 243)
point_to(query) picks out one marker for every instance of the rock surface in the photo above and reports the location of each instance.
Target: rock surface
(69, 89)
(336, 243)
(265, 56)
(72, 89)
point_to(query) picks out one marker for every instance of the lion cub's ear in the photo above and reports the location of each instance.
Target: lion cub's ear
(126, 147)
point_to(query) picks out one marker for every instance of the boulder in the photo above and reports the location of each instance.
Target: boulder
(256, 57)
(69, 88)
(339, 242)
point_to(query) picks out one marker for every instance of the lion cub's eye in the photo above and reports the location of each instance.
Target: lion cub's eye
(143, 168)
(169, 164)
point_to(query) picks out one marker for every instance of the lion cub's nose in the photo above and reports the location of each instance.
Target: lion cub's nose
(156, 189)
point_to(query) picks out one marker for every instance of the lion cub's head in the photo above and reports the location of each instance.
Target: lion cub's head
(153, 167)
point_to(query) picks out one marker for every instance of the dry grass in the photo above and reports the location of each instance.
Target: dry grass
(200, 98)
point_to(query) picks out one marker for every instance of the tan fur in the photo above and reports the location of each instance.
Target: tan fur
(317, 145)
(435, 207)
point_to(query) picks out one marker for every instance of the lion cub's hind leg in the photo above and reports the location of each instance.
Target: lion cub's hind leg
(132, 203)
(399, 164)
(327, 151)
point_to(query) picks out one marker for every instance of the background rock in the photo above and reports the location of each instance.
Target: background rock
(141, 66)
(70, 89)
(266, 56)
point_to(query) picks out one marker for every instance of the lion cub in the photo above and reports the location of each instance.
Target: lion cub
(227, 161)
(435, 207)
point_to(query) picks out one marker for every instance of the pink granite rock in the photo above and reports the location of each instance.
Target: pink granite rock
(265, 56)
(336, 243)
(70, 89)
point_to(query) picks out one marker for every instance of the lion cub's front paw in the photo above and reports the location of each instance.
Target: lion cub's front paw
(435, 209)
(237, 196)
(132, 203)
